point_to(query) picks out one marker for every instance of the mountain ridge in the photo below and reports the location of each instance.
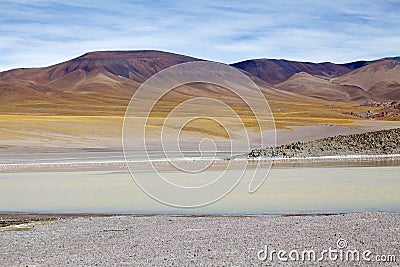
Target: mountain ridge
(112, 76)
(284, 69)
(111, 54)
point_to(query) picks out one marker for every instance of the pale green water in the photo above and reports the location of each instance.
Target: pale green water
(286, 190)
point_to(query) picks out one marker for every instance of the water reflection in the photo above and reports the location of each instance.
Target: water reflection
(287, 190)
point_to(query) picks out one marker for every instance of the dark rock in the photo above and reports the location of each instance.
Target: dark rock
(371, 143)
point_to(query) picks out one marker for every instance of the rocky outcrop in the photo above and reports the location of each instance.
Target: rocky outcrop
(372, 143)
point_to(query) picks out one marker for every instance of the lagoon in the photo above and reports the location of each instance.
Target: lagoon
(286, 191)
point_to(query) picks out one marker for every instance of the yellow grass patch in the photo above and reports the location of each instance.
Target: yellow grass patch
(105, 129)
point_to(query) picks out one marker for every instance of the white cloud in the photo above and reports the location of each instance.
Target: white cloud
(40, 33)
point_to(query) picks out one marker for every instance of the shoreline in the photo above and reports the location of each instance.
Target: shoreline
(383, 142)
(17, 221)
(8, 219)
(365, 157)
(146, 165)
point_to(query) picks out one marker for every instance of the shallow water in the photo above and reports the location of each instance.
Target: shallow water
(286, 190)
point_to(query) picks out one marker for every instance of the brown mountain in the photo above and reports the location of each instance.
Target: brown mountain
(322, 88)
(357, 81)
(106, 77)
(276, 71)
(134, 65)
(380, 79)
(101, 81)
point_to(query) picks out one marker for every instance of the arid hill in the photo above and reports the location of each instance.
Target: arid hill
(93, 77)
(322, 88)
(101, 82)
(380, 79)
(133, 65)
(275, 71)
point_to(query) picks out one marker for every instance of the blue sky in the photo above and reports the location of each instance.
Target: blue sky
(40, 33)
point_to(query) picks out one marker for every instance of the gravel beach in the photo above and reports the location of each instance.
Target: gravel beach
(201, 240)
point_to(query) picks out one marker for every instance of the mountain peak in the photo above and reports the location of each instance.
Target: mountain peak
(118, 54)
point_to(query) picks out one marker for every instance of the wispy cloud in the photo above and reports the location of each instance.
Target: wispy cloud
(44, 32)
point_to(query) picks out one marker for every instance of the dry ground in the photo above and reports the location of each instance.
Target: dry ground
(104, 130)
(202, 241)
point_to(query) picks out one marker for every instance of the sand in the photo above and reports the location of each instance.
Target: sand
(14, 159)
(25, 150)
(196, 241)
(309, 133)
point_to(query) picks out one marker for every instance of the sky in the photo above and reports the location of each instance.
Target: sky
(36, 33)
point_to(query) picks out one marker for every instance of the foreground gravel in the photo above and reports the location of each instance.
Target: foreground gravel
(196, 241)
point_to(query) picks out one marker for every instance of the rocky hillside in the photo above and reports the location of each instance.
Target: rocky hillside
(371, 143)
(275, 71)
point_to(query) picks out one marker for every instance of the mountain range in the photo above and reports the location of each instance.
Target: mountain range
(111, 77)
